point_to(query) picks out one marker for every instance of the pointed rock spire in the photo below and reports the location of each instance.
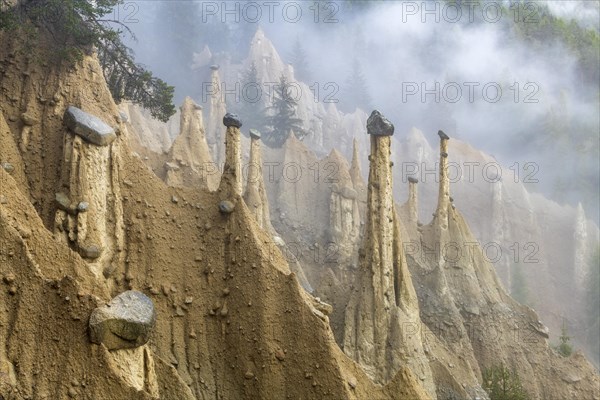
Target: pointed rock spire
(231, 181)
(582, 256)
(256, 195)
(190, 162)
(413, 205)
(441, 214)
(216, 111)
(385, 298)
(89, 215)
(344, 214)
(356, 172)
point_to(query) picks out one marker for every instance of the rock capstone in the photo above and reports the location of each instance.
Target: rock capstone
(126, 322)
(232, 120)
(443, 136)
(89, 127)
(378, 125)
(254, 134)
(413, 180)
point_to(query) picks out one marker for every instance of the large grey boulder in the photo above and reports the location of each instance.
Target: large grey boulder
(89, 127)
(378, 125)
(126, 322)
(232, 120)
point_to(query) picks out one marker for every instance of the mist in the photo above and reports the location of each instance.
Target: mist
(428, 66)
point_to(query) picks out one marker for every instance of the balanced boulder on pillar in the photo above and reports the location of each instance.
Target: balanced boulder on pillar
(89, 127)
(441, 214)
(384, 300)
(231, 180)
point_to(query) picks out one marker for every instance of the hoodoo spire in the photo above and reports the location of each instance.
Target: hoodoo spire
(441, 213)
(413, 205)
(216, 111)
(256, 195)
(384, 300)
(231, 181)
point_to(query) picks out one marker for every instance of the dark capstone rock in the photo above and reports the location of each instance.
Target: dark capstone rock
(226, 207)
(92, 252)
(379, 125)
(413, 180)
(444, 154)
(214, 67)
(254, 134)
(451, 199)
(126, 322)
(443, 136)
(232, 120)
(89, 127)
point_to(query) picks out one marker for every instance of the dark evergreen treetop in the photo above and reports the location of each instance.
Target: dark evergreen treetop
(78, 27)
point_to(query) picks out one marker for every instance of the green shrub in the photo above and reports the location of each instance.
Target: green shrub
(564, 348)
(503, 384)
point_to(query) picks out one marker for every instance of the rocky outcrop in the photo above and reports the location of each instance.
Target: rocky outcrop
(216, 112)
(356, 173)
(10, 154)
(327, 127)
(189, 162)
(441, 213)
(582, 258)
(231, 180)
(529, 240)
(125, 322)
(460, 297)
(412, 204)
(89, 211)
(358, 180)
(226, 305)
(255, 195)
(384, 302)
(146, 132)
(344, 206)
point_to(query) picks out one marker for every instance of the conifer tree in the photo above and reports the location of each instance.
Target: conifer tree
(282, 119)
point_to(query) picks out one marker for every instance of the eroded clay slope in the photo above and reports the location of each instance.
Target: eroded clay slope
(233, 322)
